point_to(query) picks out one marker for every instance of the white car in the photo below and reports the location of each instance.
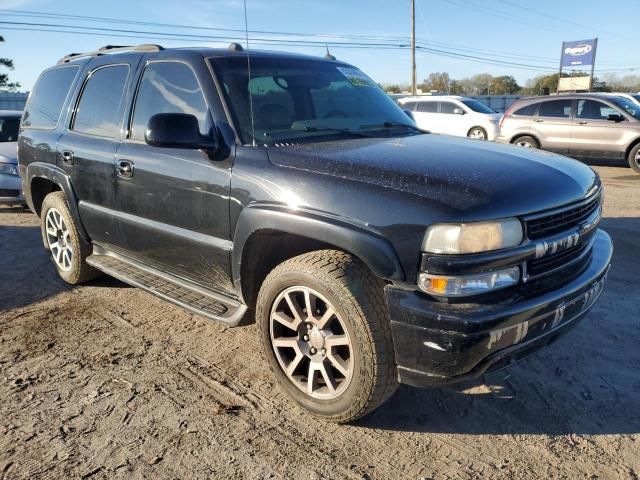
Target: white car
(452, 115)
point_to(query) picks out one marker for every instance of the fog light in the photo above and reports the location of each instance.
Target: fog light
(459, 286)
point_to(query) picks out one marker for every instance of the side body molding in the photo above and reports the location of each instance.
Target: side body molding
(374, 250)
(58, 176)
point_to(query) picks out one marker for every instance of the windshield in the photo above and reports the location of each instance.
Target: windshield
(9, 129)
(299, 100)
(477, 106)
(628, 106)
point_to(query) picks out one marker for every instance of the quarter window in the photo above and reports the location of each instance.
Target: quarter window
(45, 102)
(98, 112)
(527, 111)
(555, 108)
(168, 87)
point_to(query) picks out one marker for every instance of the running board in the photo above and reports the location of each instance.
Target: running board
(196, 299)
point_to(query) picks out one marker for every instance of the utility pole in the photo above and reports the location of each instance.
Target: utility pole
(413, 47)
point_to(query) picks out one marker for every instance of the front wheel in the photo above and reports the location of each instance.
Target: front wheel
(326, 334)
(478, 133)
(634, 158)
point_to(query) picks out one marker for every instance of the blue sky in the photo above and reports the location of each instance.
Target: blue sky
(502, 29)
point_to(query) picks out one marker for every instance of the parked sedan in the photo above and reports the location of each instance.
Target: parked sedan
(583, 126)
(10, 183)
(452, 115)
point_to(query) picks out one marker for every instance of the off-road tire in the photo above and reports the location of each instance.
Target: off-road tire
(358, 297)
(634, 158)
(80, 271)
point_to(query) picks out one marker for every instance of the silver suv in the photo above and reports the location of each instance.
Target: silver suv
(587, 126)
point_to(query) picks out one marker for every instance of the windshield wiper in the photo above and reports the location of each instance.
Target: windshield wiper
(309, 128)
(400, 124)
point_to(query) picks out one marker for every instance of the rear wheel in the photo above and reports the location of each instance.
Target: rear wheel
(526, 142)
(634, 158)
(67, 248)
(326, 334)
(478, 133)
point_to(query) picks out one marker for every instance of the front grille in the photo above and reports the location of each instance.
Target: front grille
(540, 266)
(8, 192)
(561, 221)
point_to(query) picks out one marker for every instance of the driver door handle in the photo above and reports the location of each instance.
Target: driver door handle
(124, 168)
(538, 120)
(582, 122)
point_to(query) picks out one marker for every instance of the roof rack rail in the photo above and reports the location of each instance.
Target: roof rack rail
(147, 47)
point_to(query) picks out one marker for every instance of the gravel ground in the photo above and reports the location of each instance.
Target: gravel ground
(107, 381)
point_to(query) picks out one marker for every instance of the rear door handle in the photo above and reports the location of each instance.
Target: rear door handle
(583, 122)
(538, 120)
(67, 157)
(124, 168)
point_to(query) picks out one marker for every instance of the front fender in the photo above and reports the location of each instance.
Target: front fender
(58, 176)
(373, 249)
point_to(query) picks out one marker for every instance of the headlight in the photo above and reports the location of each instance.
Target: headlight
(472, 237)
(8, 169)
(463, 285)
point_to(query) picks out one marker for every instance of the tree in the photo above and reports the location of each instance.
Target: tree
(5, 85)
(504, 84)
(392, 88)
(437, 81)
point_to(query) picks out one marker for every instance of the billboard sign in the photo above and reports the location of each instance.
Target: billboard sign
(578, 53)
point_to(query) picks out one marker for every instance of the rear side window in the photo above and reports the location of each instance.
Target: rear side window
(47, 98)
(98, 111)
(408, 106)
(168, 87)
(428, 107)
(9, 129)
(447, 107)
(555, 108)
(528, 111)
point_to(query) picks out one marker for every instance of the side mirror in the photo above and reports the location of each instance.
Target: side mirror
(177, 130)
(615, 117)
(458, 111)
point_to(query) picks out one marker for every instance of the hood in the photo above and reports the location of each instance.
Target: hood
(473, 179)
(9, 150)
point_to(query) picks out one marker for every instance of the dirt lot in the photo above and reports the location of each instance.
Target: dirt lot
(107, 381)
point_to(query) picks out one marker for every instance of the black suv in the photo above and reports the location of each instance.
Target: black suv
(291, 190)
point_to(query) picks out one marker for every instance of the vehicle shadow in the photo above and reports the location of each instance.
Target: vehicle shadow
(27, 275)
(588, 382)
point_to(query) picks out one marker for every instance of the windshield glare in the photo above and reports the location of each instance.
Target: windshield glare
(477, 106)
(9, 129)
(295, 100)
(628, 106)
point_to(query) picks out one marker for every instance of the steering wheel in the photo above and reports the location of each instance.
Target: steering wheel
(336, 114)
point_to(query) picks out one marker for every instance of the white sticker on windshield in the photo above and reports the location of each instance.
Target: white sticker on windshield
(356, 77)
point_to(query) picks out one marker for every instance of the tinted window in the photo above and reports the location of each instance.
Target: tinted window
(594, 110)
(408, 106)
(311, 100)
(9, 129)
(447, 107)
(45, 102)
(555, 108)
(637, 97)
(430, 107)
(477, 106)
(527, 111)
(168, 87)
(98, 111)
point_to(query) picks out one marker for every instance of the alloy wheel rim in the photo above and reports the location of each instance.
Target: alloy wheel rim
(311, 343)
(58, 239)
(637, 159)
(524, 144)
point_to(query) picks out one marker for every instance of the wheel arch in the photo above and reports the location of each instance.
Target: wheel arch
(631, 146)
(44, 178)
(265, 237)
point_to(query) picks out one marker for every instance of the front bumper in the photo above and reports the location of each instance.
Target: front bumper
(13, 185)
(438, 343)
